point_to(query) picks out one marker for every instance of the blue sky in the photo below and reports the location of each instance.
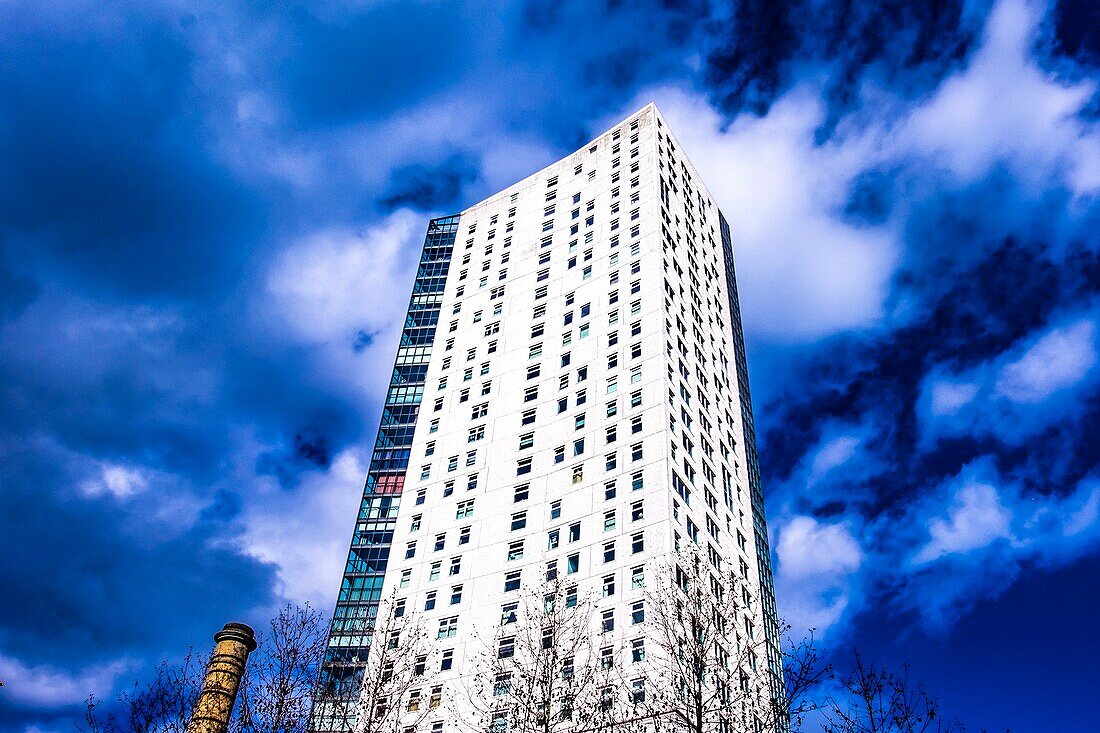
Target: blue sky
(210, 215)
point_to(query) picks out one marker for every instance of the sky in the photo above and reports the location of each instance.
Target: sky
(210, 215)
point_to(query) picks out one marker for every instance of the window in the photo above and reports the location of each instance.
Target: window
(578, 473)
(612, 408)
(530, 394)
(607, 620)
(479, 411)
(506, 648)
(637, 650)
(608, 585)
(511, 581)
(578, 447)
(440, 541)
(519, 521)
(464, 535)
(636, 424)
(523, 466)
(515, 550)
(609, 490)
(528, 417)
(578, 421)
(446, 660)
(636, 452)
(636, 511)
(609, 551)
(637, 543)
(572, 564)
(552, 539)
(456, 565)
(448, 627)
(559, 454)
(574, 532)
(465, 509)
(636, 398)
(509, 613)
(637, 577)
(406, 576)
(610, 461)
(555, 509)
(637, 612)
(475, 434)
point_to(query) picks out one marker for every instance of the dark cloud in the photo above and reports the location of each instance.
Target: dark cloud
(94, 579)
(374, 62)
(16, 292)
(986, 308)
(431, 187)
(908, 46)
(110, 173)
(1077, 30)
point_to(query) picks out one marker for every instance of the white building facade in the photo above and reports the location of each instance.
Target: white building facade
(570, 396)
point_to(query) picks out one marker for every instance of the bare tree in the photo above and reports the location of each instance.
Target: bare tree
(540, 671)
(277, 689)
(804, 672)
(398, 689)
(707, 657)
(160, 704)
(875, 700)
(274, 696)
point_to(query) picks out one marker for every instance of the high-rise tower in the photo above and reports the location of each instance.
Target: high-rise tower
(570, 388)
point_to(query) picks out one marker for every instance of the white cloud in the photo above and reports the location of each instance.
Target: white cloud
(27, 685)
(305, 532)
(833, 454)
(975, 519)
(992, 529)
(803, 271)
(1003, 108)
(1058, 360)
(816, 564)
(947, 396)
(337, 282)
(1034, 384)
(343, 293)
(119, 481)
